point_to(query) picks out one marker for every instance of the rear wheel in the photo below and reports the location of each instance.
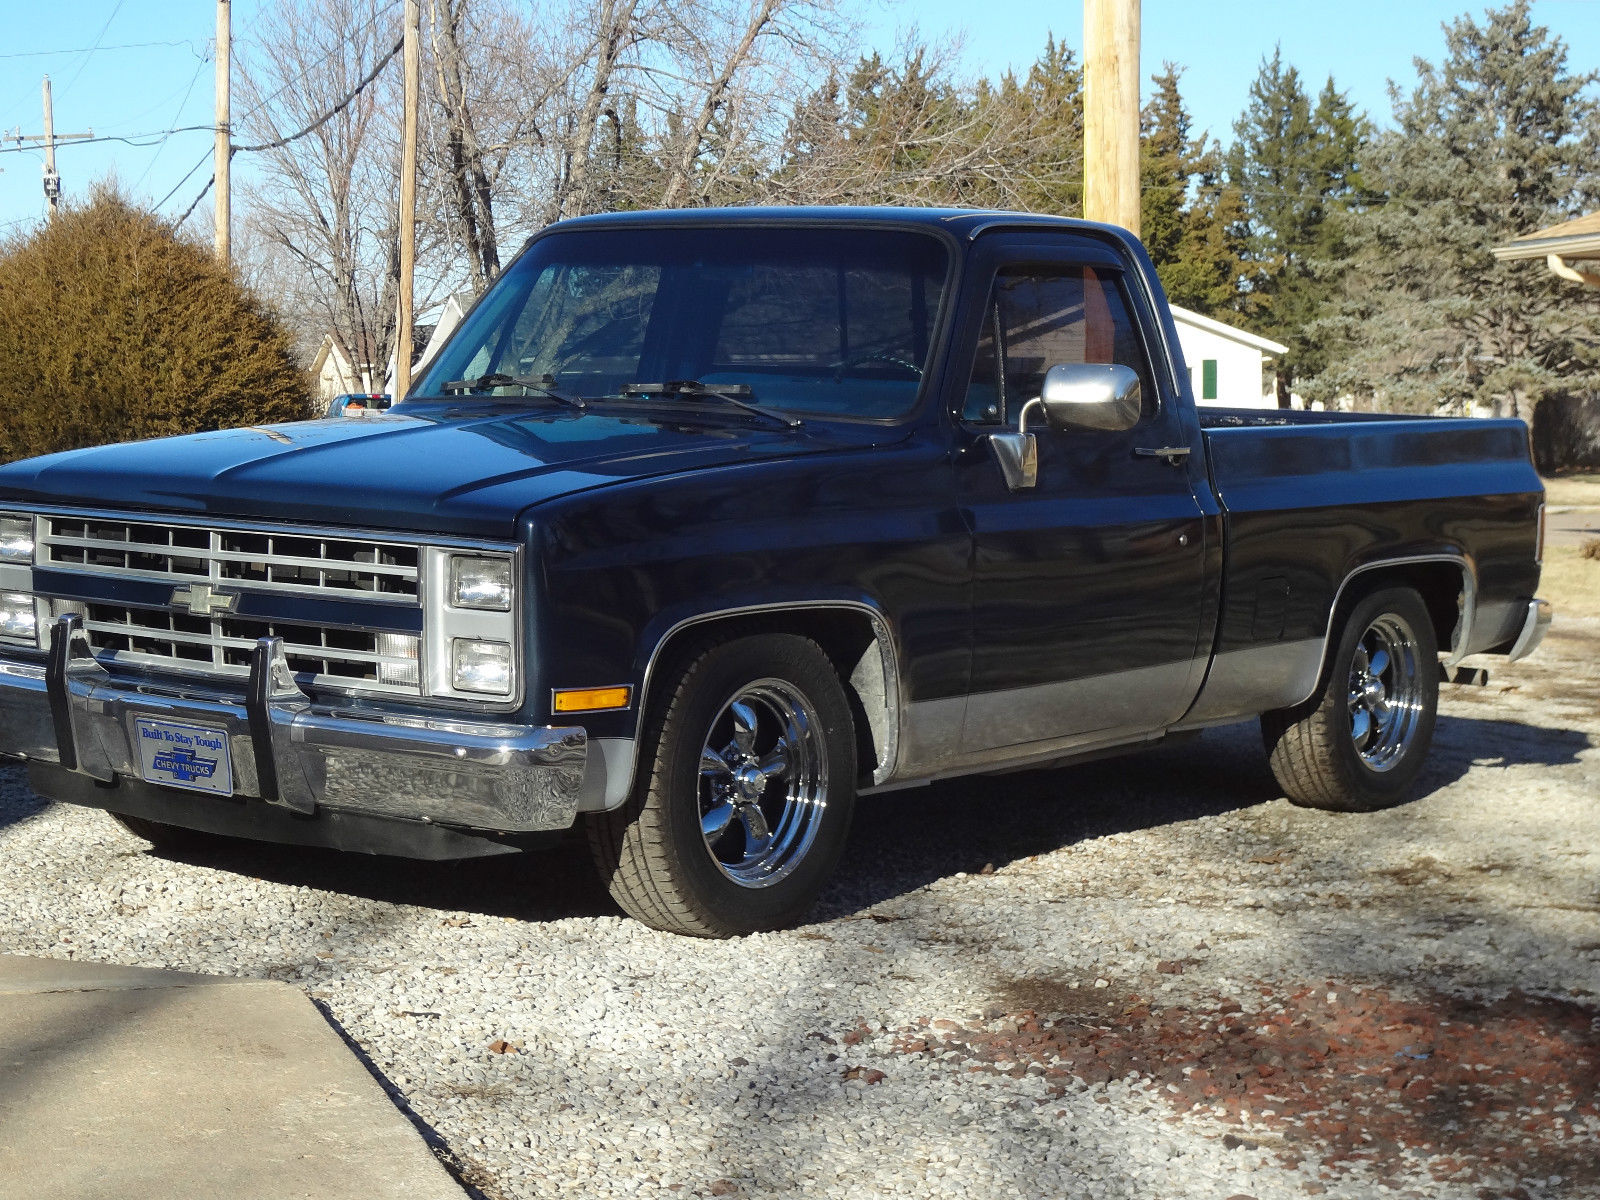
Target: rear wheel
(1361, 742)
(742, 807)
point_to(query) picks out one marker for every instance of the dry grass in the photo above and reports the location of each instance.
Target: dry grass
(1571, 582)
(1580, 489)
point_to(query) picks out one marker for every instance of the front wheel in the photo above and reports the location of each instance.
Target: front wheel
(743, 802)
(1360, 743)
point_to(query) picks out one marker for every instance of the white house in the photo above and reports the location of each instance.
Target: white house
(455, 307)
(1227, 366)
(335, 371)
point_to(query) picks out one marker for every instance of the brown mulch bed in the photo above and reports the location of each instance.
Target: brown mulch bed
(1481, 1092)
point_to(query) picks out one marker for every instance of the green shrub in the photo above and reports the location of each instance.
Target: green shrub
(112, 328)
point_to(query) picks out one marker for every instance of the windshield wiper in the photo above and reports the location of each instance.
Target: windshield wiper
(542, 385)
(729, 393)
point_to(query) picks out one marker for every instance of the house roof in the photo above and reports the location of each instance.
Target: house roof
(331, 346)
(1184, 316)
(1578, 238)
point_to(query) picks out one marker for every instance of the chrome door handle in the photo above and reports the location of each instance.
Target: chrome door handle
(1174, 455)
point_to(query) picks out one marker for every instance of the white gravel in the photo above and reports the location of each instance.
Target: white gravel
(640, 1063)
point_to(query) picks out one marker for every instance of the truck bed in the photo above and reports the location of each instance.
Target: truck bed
(1310, 499)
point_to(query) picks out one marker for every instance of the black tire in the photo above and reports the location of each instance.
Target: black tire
(1339, 751)
(655, 854)
(173, 839)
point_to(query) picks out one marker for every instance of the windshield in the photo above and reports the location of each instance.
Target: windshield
(823, 321)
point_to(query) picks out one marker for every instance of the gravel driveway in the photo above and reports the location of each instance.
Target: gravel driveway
(1137, 978)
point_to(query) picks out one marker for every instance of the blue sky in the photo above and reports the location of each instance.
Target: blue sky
(124, 90)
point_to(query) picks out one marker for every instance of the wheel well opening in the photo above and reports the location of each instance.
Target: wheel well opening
(846, 635)
(1440, 584)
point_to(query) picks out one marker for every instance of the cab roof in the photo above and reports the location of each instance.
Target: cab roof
(964, 223)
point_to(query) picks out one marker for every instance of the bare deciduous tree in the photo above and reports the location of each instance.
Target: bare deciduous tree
(327, 201)
(614, 36)
(534, 113)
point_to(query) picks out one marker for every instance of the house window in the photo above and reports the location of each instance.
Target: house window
(1208, 379)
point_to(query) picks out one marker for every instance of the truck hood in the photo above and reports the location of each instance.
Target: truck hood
(463, 469)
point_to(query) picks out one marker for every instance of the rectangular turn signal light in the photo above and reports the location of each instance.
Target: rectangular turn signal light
(592, 699)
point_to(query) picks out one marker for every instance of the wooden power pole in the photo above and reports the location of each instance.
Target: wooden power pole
(408, 199)
(52, 181)
(224, 148)
(1111, 112)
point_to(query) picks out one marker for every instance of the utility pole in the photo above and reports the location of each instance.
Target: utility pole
(52, 181)
(224, 148)
(1111, 112)
(408, 199)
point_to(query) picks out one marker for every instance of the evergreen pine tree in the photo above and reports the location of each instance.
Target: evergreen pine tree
(1496, 141)
(1048, 172)
(1294, 166)
(1187, 215)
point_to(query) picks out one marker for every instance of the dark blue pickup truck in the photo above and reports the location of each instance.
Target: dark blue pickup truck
(705, 523)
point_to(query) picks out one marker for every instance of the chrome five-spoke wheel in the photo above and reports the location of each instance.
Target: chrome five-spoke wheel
(1385, 691)
(1360, 742)
(744, 804)
(763, 783)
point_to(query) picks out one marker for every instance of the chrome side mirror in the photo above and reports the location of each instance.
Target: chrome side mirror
(1105, 396)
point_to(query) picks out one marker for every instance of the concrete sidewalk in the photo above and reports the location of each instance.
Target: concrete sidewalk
(135, 1084)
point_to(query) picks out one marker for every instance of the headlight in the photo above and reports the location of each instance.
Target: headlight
(471, 647)
(482, 583)
(16, 539)
(18, 619)
(478, 666)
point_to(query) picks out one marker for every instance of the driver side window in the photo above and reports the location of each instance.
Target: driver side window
(1037, 317)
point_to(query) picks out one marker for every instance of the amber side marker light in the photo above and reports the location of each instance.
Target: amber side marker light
(591, 699)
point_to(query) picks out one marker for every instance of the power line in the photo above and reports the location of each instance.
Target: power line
(185, 180)
(332, 112)
(92, 49)
(196, 202)
(132, 139)
(371, 23)
(284, 141)
(165, 101)
(137, 139)
(88, 54)
(161, 145)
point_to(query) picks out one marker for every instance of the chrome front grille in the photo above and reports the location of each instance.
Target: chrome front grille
(282, 561)
(234, 562)
(319, 654)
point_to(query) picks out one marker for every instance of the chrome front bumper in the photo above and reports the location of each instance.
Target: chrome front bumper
(1534, 626)
(287, 751)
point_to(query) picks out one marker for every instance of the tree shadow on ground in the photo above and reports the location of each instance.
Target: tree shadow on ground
(967, 824)
(18, 803)
(902, 840)
(545, 884)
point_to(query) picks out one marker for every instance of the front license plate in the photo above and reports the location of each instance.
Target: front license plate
(185, 756)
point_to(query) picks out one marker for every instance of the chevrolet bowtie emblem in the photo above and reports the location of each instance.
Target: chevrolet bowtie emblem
(199, 599)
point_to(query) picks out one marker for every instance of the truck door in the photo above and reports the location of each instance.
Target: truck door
(1089, 586)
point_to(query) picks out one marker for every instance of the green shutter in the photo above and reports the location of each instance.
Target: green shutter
(1208, 379)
